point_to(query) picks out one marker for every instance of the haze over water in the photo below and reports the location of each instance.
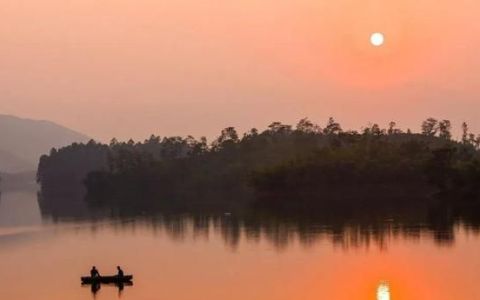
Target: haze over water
(224, 257)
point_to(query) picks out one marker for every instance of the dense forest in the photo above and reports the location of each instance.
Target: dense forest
(282, 168)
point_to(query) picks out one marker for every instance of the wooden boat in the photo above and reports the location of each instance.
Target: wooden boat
(107, 279)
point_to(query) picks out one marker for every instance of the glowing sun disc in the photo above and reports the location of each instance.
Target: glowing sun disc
(377, 39)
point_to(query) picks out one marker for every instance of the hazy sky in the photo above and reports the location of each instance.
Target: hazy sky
(128, 68)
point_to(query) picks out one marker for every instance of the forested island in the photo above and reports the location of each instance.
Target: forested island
(283, 168)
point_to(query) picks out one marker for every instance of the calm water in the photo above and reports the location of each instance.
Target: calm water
(222, 257)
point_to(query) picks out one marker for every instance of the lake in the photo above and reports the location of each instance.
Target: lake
(223, 256)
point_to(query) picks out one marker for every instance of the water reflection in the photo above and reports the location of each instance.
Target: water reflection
(383, 291)
(95, 287)
(247, 255)
(344, 228)
(19, 209)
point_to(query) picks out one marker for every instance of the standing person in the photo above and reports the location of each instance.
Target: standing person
(94, 272)
(120, 272)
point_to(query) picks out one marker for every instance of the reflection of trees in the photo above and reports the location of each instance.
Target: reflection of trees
(343, 228)
(67, 206)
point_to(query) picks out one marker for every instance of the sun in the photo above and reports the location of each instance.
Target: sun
(377, 39)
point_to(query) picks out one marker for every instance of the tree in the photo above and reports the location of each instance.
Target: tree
(475, 141)
(391, 127)
(444, 127)
(278, 127)
(113, 142)
(251, 134)
(439, 167)
(430, 127)
(153, 140)
(174, 147)
(464, 133)
(228, 136)
(392, 130)
(306, 126)
(197, 147)
(375, 130)
(332, 127)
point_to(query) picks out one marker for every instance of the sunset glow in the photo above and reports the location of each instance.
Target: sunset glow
(383, 291)
(209, 61)
(240, 149)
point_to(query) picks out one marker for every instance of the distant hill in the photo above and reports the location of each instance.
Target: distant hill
(23, 141)
(10, 162)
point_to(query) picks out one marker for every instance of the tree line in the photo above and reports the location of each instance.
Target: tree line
(285, 166)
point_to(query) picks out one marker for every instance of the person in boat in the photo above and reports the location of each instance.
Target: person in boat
(94, 272)
(120, 272)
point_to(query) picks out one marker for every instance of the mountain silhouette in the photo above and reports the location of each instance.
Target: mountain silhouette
(23, 141)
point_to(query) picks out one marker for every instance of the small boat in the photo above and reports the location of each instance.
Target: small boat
(107, 279)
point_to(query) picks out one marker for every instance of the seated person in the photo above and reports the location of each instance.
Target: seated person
(94, 272)
(120, 271)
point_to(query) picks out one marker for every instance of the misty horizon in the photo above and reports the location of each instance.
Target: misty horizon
(456, 129)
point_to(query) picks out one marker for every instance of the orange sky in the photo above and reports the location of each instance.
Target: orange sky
(130, 68)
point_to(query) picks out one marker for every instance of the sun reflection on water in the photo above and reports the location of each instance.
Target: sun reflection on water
(383, 291)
